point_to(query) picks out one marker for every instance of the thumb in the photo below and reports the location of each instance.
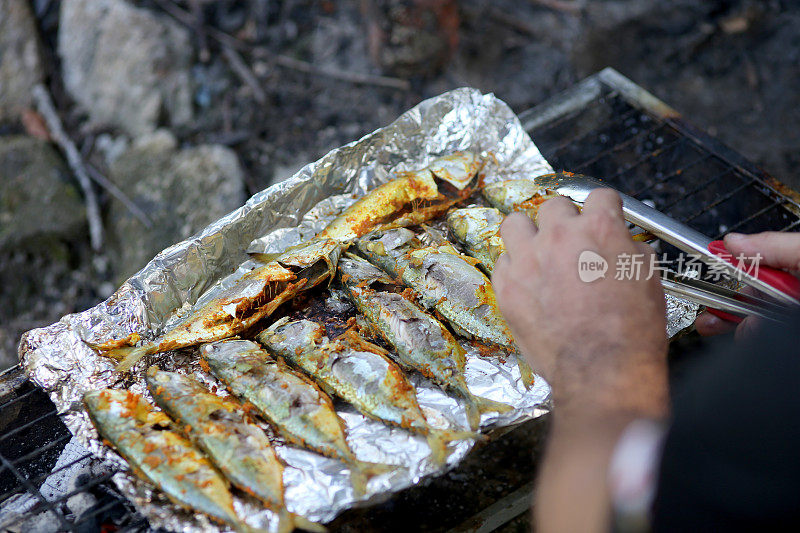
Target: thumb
(777, 249)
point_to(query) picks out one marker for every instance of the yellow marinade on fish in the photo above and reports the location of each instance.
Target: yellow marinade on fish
(445, 281)
(292, 403)
(223, 430)
(159, 455)
(477, 228)
(360, 373)
(420, 341)
(254, 296)
(411, 198)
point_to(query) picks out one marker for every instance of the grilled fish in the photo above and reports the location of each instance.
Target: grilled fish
(447, 282)
(220, 427)
(256, 295)
(421, 341)
(517, 195)
(477, 228)
(360, 373)
(292, 403)
(411, 198)
(159, 455)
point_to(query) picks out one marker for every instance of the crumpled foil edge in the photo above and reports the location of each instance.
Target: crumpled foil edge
(57, 359)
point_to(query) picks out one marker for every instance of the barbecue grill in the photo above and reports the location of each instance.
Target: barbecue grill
(605, 126)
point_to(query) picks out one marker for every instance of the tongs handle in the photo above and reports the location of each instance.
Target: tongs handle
(690, 240)
(780, 279)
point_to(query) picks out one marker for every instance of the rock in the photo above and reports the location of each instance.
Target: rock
(36, 198)
(42, 236)
(20, 67)
(181, 191)
(126, 66)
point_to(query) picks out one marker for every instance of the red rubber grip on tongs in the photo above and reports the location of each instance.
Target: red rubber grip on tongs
(780, 279)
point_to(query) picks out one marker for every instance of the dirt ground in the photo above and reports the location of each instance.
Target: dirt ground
(282, 82)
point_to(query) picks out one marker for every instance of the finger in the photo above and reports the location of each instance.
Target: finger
(709, 325)
(554, 210)
(644, 248)
(747, 328)
(777, 249)
(517, 232)
(500, 274)
(606, 201)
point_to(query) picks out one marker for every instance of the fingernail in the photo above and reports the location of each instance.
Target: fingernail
(735, 237)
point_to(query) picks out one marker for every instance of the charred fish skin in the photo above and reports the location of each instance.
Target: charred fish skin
(220, 427)
(386, 205)
(478, 229)
(159, 455)
(522, 195)
(447, 282)
(256, 295)
(358, 372)
(420, 341)
(292, 403)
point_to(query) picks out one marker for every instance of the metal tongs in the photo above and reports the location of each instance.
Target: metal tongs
(780, 290)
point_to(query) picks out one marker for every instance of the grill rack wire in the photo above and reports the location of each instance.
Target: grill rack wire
(605, 126)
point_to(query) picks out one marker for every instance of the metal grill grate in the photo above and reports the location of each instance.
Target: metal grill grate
(45, 484)
(611, 129)
(605, 126)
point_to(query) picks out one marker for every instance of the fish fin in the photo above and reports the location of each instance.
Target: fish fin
(473, 413)
(128, 356)
(439, 438)
(301, 522)
(485, 405)
(476, 405)
(525, 371)
(264, 257)
(361, 472)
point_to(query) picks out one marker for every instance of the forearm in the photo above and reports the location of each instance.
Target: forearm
(572, 490)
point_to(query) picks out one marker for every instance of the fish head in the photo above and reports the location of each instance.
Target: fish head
(288, 335)
(516, 195)
(472, 225)
(355, 271)
(457, 168)
(392, 242)
(314, 260)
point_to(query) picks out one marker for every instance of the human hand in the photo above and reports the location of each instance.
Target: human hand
(601, 345)
(777, 250)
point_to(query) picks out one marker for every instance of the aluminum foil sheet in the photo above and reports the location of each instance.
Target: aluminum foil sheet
(57, 359)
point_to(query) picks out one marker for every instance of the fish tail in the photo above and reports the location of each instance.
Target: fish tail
(128, 356)
(361, 472)
(476, 405)
(525, 371)
(439, 438)
(473, 413)
(288, 522)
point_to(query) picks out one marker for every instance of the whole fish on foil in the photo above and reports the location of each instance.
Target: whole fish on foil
(445, 281)
(477, 228)
(421, 341)
(360, 373)
(292, 403)
(411, 198)
(522, 195)
(141, 435)
(255, 295)
(221, 428)
(527, 197)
